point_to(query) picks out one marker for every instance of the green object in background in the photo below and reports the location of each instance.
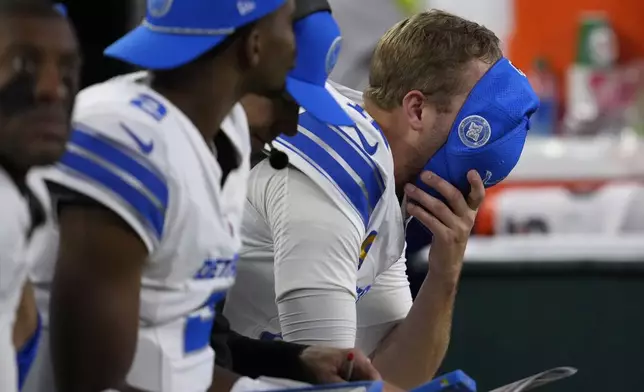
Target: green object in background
(596, 42)
(409, 7)
(636, 111)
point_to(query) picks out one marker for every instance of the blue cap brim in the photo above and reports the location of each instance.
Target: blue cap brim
(153, 50)
(318, 101)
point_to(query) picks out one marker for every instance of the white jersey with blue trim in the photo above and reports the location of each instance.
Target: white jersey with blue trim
(355, 168)
(135, 153)
(16, 223)
(318, 236)
(352, 164)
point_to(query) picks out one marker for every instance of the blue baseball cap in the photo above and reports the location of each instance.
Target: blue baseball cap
(490, 130)
(318, 42)
(174, 33)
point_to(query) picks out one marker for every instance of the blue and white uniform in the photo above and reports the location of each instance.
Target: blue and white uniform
(135, 153)
(320, 235)
(14, 238)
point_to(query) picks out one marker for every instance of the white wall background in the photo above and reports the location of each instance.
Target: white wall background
(363, 21)
(497, 15)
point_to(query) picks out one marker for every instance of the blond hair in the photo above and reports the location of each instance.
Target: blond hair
(427, 52)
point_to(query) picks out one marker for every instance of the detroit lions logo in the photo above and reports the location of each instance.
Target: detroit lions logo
(159, 8)
(245, 7)
(474, 131)
(332, 55)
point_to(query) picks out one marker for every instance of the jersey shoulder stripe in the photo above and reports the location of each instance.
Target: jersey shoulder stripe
(126, 174)
(341, 160)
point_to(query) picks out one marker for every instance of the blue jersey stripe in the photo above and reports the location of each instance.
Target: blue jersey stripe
(124, 160)
(373, 122)
(360, 163)
(329, 166)
(132, 195)
(373, 167)
(198, 326)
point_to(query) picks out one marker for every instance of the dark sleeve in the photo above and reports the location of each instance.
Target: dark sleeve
(219, 339)
(61, 196)
(253, 358)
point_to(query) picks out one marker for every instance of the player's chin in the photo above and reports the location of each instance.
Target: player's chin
(45, 153)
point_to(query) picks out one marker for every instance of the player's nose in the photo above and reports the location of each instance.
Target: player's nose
(50, 85)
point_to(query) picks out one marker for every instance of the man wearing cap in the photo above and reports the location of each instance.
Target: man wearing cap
(149, 194)
(318, 47)
(322, 239)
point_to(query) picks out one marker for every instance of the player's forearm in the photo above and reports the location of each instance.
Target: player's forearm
(223, 380)
(93, 336)
(413, 352)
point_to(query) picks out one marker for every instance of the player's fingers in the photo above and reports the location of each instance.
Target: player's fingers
(363, 369)
(452, 195)
(331, 379)
(433, 205)
(431, 222)
(477, 192)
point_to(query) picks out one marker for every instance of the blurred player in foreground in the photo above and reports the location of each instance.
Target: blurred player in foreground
(323, 238)
(39, 76)
(150, 192)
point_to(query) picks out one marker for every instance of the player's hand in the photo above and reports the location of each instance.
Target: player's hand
(329, 365)
(449, 223)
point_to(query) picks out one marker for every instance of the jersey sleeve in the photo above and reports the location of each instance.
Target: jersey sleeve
(387, 303)
(343, 161)
(13, 231)
(119, 163)
(13, 235)
(316, 250)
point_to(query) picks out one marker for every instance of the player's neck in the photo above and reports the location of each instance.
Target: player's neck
(389, 123)
(205, 96)
(384, 118)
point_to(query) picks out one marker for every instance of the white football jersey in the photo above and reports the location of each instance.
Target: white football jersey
(135, 153)
(330, 222)
(43, 246)
(14, 231)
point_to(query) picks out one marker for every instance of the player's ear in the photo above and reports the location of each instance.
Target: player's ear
(253, 47)
(413, 105)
